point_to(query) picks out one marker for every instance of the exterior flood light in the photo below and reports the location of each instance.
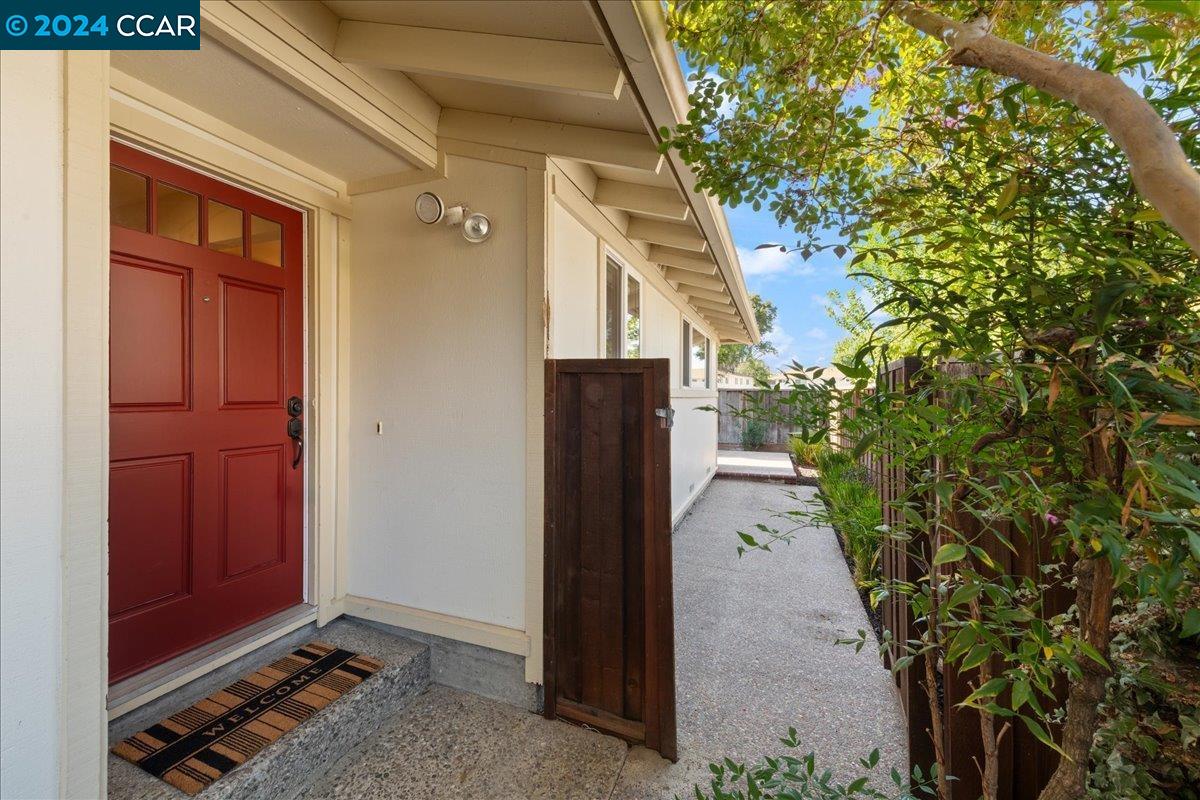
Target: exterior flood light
(476, 227)
(429, 207)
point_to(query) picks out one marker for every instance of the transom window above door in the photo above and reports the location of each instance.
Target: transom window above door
(151, 206)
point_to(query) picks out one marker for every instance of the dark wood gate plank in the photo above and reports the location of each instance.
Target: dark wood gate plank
(609, 618)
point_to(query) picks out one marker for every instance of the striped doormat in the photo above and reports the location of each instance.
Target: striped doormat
(193, 748)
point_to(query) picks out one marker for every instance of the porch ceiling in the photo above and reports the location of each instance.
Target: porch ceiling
(219, 82)
(386, 80)
(514, 60)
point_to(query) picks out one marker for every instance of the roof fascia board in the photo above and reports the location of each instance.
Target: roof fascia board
(637, 30)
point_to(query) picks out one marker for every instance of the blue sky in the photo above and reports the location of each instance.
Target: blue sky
(798, 288)
(803, 330)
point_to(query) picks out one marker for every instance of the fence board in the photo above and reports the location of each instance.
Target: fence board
(1025, 764)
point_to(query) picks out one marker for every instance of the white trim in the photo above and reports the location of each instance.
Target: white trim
(632, 275)
(83, 651)
(537, 349)
(685, 375)
(197, 663)
(485, 634)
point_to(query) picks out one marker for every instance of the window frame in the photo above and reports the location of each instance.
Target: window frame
(687, 330)
(627, 273)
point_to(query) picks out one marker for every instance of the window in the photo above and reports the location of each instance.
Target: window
(224, 228)
(127, 192)
(177, 213)
(633, 317)
(612, 309)
(695, 363)
(622, 311)
(266, 240)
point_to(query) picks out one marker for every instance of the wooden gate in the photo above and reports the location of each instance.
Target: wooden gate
(609, 628)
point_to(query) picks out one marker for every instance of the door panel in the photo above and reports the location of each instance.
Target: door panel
(252, 485)
(150, 548)
(206, 345)
(150, 362)
(252, 351)
(609, 648)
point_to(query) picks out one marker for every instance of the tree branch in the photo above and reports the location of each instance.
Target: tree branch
(1157, 163)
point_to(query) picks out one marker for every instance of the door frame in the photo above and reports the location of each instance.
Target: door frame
(100, 104)
(326, 253)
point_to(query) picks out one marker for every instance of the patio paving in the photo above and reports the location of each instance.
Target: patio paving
(755, 654)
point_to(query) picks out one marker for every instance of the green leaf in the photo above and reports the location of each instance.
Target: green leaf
(1039, 732)
(948, 553)
(1191, 623)
(990, 689)
(1021, 693)
(1150, 33)
(1007, 194)
(979, 654)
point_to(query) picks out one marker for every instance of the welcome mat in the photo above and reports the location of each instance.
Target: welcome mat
(193, 748)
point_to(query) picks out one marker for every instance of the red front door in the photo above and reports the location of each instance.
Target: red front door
(206, 349)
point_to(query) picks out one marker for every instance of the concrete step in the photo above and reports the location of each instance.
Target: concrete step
(289, 765)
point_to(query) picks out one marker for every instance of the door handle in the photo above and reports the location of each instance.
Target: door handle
(666, 417)
(295, 428)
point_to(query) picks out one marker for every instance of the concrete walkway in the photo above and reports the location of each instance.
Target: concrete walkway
(755, 654)
(754, 462)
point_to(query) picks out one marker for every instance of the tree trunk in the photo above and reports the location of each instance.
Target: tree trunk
(1157, 163)
(1093, 597)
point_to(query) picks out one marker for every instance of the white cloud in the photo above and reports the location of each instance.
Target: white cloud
(771, 261)
(819, 334)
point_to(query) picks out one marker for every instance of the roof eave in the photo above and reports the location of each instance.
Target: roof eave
(638, 36)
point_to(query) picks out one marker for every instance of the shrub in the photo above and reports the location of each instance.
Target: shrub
(754, 433)
(806, 453)
(854, 510)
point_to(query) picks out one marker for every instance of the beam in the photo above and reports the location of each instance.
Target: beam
(653, 201)
(705, 307)
(685, 237)
(683, 259)
(708, 294)
(576, 142)
(686, 279)
(724, 304)
(569, 67)
(720, 318)
(258, 34)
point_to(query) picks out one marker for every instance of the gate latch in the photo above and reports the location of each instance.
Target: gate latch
(667, 415)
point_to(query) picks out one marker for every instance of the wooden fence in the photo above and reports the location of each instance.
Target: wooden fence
(731, 428)
(1025, 763)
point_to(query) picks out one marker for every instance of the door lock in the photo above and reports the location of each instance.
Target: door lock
(295, 427)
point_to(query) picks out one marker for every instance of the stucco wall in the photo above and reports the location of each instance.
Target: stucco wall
(575, 321)
(437, 354)
(31, 438)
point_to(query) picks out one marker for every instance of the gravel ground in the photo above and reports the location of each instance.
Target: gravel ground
(755, 652)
